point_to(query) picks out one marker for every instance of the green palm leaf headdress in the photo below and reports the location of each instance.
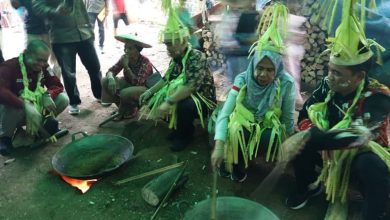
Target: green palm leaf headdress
(349, 46)
(174, 28)
(272, 29)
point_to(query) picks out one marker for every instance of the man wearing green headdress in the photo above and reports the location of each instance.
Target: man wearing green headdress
(187, 89)
(344, 129)
(28, 92)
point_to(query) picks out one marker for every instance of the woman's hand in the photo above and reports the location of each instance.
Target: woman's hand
(164, 109)
(144, 97)
(218, 155)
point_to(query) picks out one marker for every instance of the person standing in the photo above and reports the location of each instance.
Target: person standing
(1, 44)
(120, 12)
(71, 34)
(36, 29)
(94, 8)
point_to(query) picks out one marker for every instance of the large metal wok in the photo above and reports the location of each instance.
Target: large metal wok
(92, 156)
(231, 208)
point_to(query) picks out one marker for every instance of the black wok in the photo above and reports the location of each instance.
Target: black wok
(92, 156)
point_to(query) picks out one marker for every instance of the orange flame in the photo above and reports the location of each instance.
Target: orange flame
(82, 185)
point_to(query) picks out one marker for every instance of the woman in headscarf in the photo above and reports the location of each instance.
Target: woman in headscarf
(259, 111)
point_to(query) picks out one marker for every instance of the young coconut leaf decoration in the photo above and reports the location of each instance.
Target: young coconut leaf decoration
(350, 45)
(174, 28)
(272, 29)
(328, 8)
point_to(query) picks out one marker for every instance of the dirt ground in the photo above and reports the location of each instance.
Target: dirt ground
(30, 190)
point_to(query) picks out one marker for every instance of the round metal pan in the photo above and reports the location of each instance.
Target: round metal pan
(231, 208)
(92, 156)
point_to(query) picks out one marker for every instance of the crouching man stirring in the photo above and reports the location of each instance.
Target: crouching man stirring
(29, 95)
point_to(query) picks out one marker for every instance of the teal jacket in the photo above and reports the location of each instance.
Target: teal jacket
(287, 103)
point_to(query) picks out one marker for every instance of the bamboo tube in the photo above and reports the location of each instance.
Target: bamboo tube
(214, 197)
(156, 171)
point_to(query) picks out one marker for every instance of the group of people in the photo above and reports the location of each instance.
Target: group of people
(342, 127)
(70, 32)
(31, 91)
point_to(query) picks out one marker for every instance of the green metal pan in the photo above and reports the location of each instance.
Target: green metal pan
(92, 156)
(231, 208)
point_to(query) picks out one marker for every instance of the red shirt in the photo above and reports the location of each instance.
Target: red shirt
(142, 69)
(11, 83)
(119, 6)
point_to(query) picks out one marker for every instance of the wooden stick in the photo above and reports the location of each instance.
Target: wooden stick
(109, 119)
(159, 170)
(214, 197)
(170, 191)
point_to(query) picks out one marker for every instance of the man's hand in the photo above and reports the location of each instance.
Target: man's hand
(52, 139)
(217, 155)
(33, 118)
(144, 97)
(111, 85)
(49, 104)
(357, 136)
(293, 145)
(164, 109)
(62, 9)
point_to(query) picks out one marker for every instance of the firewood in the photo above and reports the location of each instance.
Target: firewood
(206, 45)
(307, 25)
(312, 20)
(322, 36)
(316, 29)
(311, 59)
(315, 5)
(307, 46)
(319, 66)
(204, 33)
(309, 2)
